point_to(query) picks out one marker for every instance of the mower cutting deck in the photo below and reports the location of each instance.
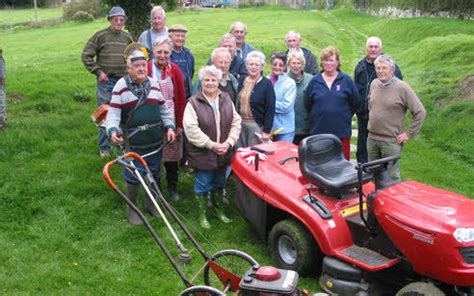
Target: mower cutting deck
(363, 233)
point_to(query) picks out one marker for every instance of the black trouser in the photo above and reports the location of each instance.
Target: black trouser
(172, 173)
(362, 134)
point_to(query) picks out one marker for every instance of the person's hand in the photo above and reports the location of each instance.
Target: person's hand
(116, 138)
(170, 135)
(402, 138)
(265, 138)
(179, 131)
(103, 78)
(220, 148)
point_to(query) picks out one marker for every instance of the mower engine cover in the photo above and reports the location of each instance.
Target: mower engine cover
(268, 279)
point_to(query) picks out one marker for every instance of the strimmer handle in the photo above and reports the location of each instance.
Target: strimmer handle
(110, 164)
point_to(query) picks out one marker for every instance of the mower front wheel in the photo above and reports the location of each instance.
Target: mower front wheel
(420, 288)
(293, 247)
(202, 290)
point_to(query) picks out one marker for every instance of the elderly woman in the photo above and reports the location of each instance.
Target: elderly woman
(255, 102)
(212, 128)
(285, 94)
(171, 81)
(296, 63)
(332, 98)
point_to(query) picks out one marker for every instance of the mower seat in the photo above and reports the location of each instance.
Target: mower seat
(323, 164)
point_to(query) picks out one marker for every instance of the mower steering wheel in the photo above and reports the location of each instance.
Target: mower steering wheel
(379, 164)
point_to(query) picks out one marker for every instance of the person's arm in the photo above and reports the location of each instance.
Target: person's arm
(235, 128)
(287, 103)
(269, 94)
(112, 120)
(417, 111)
(312, 64)
(193, 132)
(89, 53)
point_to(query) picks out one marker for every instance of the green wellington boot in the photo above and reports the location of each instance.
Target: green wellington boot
(216, 197)
(202, 203)
(132, 216)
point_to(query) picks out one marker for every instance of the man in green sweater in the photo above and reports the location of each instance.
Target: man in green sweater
(389, 99)
(107, 47)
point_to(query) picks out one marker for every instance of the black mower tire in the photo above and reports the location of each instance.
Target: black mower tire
(235, 261)
(293, 248)
(420, 289)
(198, 290)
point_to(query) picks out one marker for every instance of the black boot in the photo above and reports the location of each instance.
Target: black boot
(132, 216)
(216, 197)
(173, 192)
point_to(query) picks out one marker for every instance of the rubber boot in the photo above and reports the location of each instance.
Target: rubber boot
(132, 216)
(150, 207)
(216, 197)
(202, 204)
(173, 192)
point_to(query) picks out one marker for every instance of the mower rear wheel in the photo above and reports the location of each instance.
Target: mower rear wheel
(293, 248)
(202, 290)
(420, 289)
(234, 261)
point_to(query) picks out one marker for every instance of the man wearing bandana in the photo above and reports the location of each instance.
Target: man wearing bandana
(137, 118)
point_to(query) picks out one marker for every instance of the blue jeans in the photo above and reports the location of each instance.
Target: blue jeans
(153, 161)
(286, 137)
(103, 96)
(206, 181)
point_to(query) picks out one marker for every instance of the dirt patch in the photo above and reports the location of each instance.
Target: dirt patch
(15, 96)
(467, 88)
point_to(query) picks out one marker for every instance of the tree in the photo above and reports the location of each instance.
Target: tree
(138, 14)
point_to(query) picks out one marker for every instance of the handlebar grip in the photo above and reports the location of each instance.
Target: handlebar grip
(106, 174)
(137, 157)
(378, 162)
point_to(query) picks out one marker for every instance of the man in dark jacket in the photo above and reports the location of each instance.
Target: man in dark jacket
(364, 74)
(182, 56)
(293, 42)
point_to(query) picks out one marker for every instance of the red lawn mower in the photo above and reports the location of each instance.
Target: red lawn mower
(227, 271)
(363, 233)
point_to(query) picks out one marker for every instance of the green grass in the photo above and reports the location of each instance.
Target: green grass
(63, 231)
(16, 16)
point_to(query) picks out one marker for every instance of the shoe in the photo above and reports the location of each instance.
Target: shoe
(173, 193)
(104, 154)
(216, 197)
(202, 200)
(132, 216)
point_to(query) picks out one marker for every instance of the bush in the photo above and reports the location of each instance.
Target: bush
(82, 16)
(92, 7)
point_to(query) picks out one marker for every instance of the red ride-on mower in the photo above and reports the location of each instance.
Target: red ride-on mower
(226, 271)
(364, 233)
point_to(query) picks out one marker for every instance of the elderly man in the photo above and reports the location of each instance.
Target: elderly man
(389, 98)
(3, 96)
(237, 66)
(138, 111)
(293, 42)
(107, 47)
(158, 30)
(239, 30)
(364, 74)
(182, 56)
(220, 58)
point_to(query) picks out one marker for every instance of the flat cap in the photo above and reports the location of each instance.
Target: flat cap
(178, 28)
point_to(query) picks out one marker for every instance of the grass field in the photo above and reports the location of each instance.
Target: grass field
(62, 231)
(16, 16)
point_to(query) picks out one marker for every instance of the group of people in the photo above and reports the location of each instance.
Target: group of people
(232, 104)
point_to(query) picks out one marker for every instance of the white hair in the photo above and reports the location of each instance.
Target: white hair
(220, 50)
(237, 24)
(156, 9)
(159, 42)
(228, 36)
(210, 70)
(292, 33)
(373, 39)
(255, 55)
(297, 55)
(385, 59)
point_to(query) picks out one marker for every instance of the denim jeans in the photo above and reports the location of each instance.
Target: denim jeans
(379, 149)
(206, 181)
(153, 161)
(103, 96)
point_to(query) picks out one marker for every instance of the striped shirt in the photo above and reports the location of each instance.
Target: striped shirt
(107, 46)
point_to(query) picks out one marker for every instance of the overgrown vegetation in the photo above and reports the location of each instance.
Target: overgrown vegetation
(83, 10)
(63, 231)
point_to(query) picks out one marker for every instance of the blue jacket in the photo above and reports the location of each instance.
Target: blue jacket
(331, 110)
(246, 48)
(285, 95)
(185, 61)
(262, 103)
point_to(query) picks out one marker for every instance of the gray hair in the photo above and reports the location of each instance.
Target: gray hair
(166, 41)
(296, 55)
(385, 59)
(374, 39)
(255, 55)
(156, 9)
(210, 70)
(291, 33)
(237, 24)
(220, 50)
(228, 36)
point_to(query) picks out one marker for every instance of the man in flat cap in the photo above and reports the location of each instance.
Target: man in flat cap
(103, 57)
(182, 56)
